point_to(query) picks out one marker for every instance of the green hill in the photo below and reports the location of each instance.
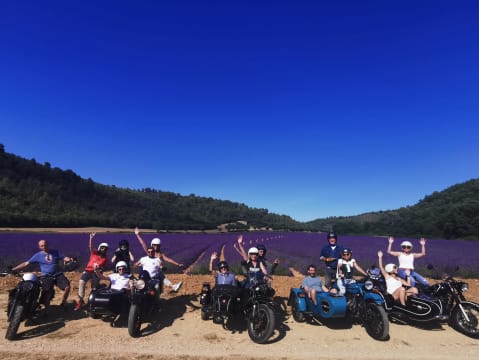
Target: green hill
(32, 194)
(449, 214)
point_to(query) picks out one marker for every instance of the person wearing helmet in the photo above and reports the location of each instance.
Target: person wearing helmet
(51, 275)
(253, 267)
(120, 279)
(346, 265)
(123, 253)
(406, 260)
(97, 261)
(223, 276)
(397, 287)
(330, 254)
(239, 247)
(312, 284)
(156, 245)
(151, 263)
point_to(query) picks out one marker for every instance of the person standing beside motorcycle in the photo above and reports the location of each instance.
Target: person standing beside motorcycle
(97, 261)
(48, 260)
(313, 284)
(406, 260)
(123, 253)
(156, 244)
(330, 254)
(346, 265)
(223, 276)
(399, 288)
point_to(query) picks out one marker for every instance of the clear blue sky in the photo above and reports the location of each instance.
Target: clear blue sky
(306, 108)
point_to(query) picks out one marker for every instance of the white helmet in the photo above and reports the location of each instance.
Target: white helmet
(253, 250)
(102, 245)
(406, 243)
(155, 241)
(389, 268)
(121, 263)
(30, 277)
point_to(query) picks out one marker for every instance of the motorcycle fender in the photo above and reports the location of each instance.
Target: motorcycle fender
(374, 297)
(299, 296)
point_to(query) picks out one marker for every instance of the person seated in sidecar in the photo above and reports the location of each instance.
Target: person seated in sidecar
(313, 284)
(346, 265)
(223, 276)
(398, 288)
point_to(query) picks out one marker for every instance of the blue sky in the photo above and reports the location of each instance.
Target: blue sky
(305, 108)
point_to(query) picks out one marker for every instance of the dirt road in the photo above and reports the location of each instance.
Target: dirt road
(178, 333)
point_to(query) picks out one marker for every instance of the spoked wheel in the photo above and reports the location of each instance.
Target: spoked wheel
(134, 321)
(298, 316)
(376, 321)
(261, 327)
(14, 322)
(465, 319)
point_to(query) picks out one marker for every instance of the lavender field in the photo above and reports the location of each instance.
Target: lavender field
(294, 250)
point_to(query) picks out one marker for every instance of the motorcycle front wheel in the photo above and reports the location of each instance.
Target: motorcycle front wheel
(298, 316)
(376, 321)
(14, 322)
(134, 321)
(467, 321)
(261, 327)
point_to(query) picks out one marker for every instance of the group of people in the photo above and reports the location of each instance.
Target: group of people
(122, 261)
(400, 279)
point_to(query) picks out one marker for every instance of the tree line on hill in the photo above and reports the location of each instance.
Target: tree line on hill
(39, 195)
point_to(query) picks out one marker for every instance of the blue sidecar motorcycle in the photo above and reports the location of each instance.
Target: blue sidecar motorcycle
(360, 304)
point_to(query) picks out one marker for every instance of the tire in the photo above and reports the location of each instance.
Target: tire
(14, 322)
(134, 321)
(376, 322)
(458, 321)
(261, 327)
(298, 316)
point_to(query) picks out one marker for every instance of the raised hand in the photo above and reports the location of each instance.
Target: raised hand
(391, 239)
(422, 241)
(380, 254)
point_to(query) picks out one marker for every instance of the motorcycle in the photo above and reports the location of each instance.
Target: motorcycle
(254, 305)
(138, 302)
(360, 304)
(441, 302)
(23, 302)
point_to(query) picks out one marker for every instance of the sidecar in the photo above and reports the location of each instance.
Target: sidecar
(328, 305)
(107, 302)
(220, 303)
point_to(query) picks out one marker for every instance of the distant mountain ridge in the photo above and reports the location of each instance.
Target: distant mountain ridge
(36, 195)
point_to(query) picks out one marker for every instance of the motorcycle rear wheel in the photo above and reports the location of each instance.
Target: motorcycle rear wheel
(470, 326)
(261, 327)
(134, 321)
(376, 321)
(14, 322)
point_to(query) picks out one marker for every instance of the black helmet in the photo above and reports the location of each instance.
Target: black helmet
(346, 251)
(223, 264)
(124, 245)
(332, 235)
(261, 247)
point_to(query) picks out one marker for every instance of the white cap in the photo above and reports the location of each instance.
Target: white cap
(155, 241)
(30, 277)
(406, 243)
(102, 245)
(253, 250)
(121, 263)
(389, 268)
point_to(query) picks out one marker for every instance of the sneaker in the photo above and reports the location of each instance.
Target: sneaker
(79, 305)
(177, 286)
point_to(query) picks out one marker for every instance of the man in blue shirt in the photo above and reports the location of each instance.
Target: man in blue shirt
(313, 284)
(330, 255)
(51, 275)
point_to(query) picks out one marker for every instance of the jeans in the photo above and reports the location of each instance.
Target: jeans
(329, 276)
(342, 285)
(414, 276)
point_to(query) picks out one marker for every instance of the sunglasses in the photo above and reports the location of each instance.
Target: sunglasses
(223, 267)
(151, 251)
(121, 268)
(406, 247)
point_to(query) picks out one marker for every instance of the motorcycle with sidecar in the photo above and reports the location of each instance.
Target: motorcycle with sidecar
(360, 304)
(253, 304)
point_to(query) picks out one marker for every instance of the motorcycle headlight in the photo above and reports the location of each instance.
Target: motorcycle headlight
(368, 285)
(140, 284)
(464, 287)
(27, 286)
